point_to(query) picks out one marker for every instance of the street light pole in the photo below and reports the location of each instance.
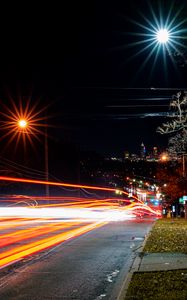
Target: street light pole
(46, 163)
(22, 125)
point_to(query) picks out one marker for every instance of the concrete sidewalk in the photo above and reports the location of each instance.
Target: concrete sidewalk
(147, 262)
(163, 262)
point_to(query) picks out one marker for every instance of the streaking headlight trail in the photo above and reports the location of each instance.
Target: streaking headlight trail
(30, 225)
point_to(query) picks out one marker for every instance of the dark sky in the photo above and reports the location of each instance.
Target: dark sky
(78, 56)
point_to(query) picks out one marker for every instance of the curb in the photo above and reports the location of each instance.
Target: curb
(134, 268)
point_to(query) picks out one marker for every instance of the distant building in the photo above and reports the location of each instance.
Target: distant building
(142, 151)
(126, 155)
(116, 158)
(149, 158)
(155, 152)
(134, 157)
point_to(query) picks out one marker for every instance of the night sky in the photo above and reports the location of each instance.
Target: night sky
(82, 59)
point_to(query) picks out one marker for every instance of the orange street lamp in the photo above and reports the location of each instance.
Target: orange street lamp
(25, 123)
(164, 157)
(22, 123)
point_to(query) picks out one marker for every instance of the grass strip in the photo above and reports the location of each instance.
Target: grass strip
(168, 235)
(165, 285)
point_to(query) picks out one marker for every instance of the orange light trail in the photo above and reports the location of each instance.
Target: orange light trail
(12, 239)
(63, 218)
(25, 180)
(13, 223)
(53, 183)
(18, 253)
(25, 234)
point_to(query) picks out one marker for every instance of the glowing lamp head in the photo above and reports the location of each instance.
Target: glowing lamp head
(164, 158)
(22, 123)
(162, 36)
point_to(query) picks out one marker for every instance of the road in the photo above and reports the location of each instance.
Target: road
(91, 266)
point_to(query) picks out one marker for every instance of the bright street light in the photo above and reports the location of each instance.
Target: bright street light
(159, 35)
(25, 123)
(164, 157)
(162, 36)
(24, 126)
(22, 123)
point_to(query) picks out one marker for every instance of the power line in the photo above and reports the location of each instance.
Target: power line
(136, 105)
(134, 88)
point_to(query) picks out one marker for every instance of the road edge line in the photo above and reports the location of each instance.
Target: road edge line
(134, 268)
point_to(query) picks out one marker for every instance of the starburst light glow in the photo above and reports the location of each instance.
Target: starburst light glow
(159, 34)
(162, 36)
(22, 123)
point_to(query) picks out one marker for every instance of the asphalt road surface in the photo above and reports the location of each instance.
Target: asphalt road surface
(89, 267)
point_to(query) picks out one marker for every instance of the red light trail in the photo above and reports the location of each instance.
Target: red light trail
(33, 224)
(53, 183)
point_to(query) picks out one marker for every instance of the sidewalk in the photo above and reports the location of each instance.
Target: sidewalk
(163, 262)
(147, 262)
(154, 262)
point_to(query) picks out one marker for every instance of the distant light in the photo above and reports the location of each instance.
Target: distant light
(158, 195)
(164, 157)
(162, 36)
(22, 123)
(163, 32)
(118, 192)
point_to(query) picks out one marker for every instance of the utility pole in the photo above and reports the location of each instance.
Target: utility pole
(183, 166)
(185, 208)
